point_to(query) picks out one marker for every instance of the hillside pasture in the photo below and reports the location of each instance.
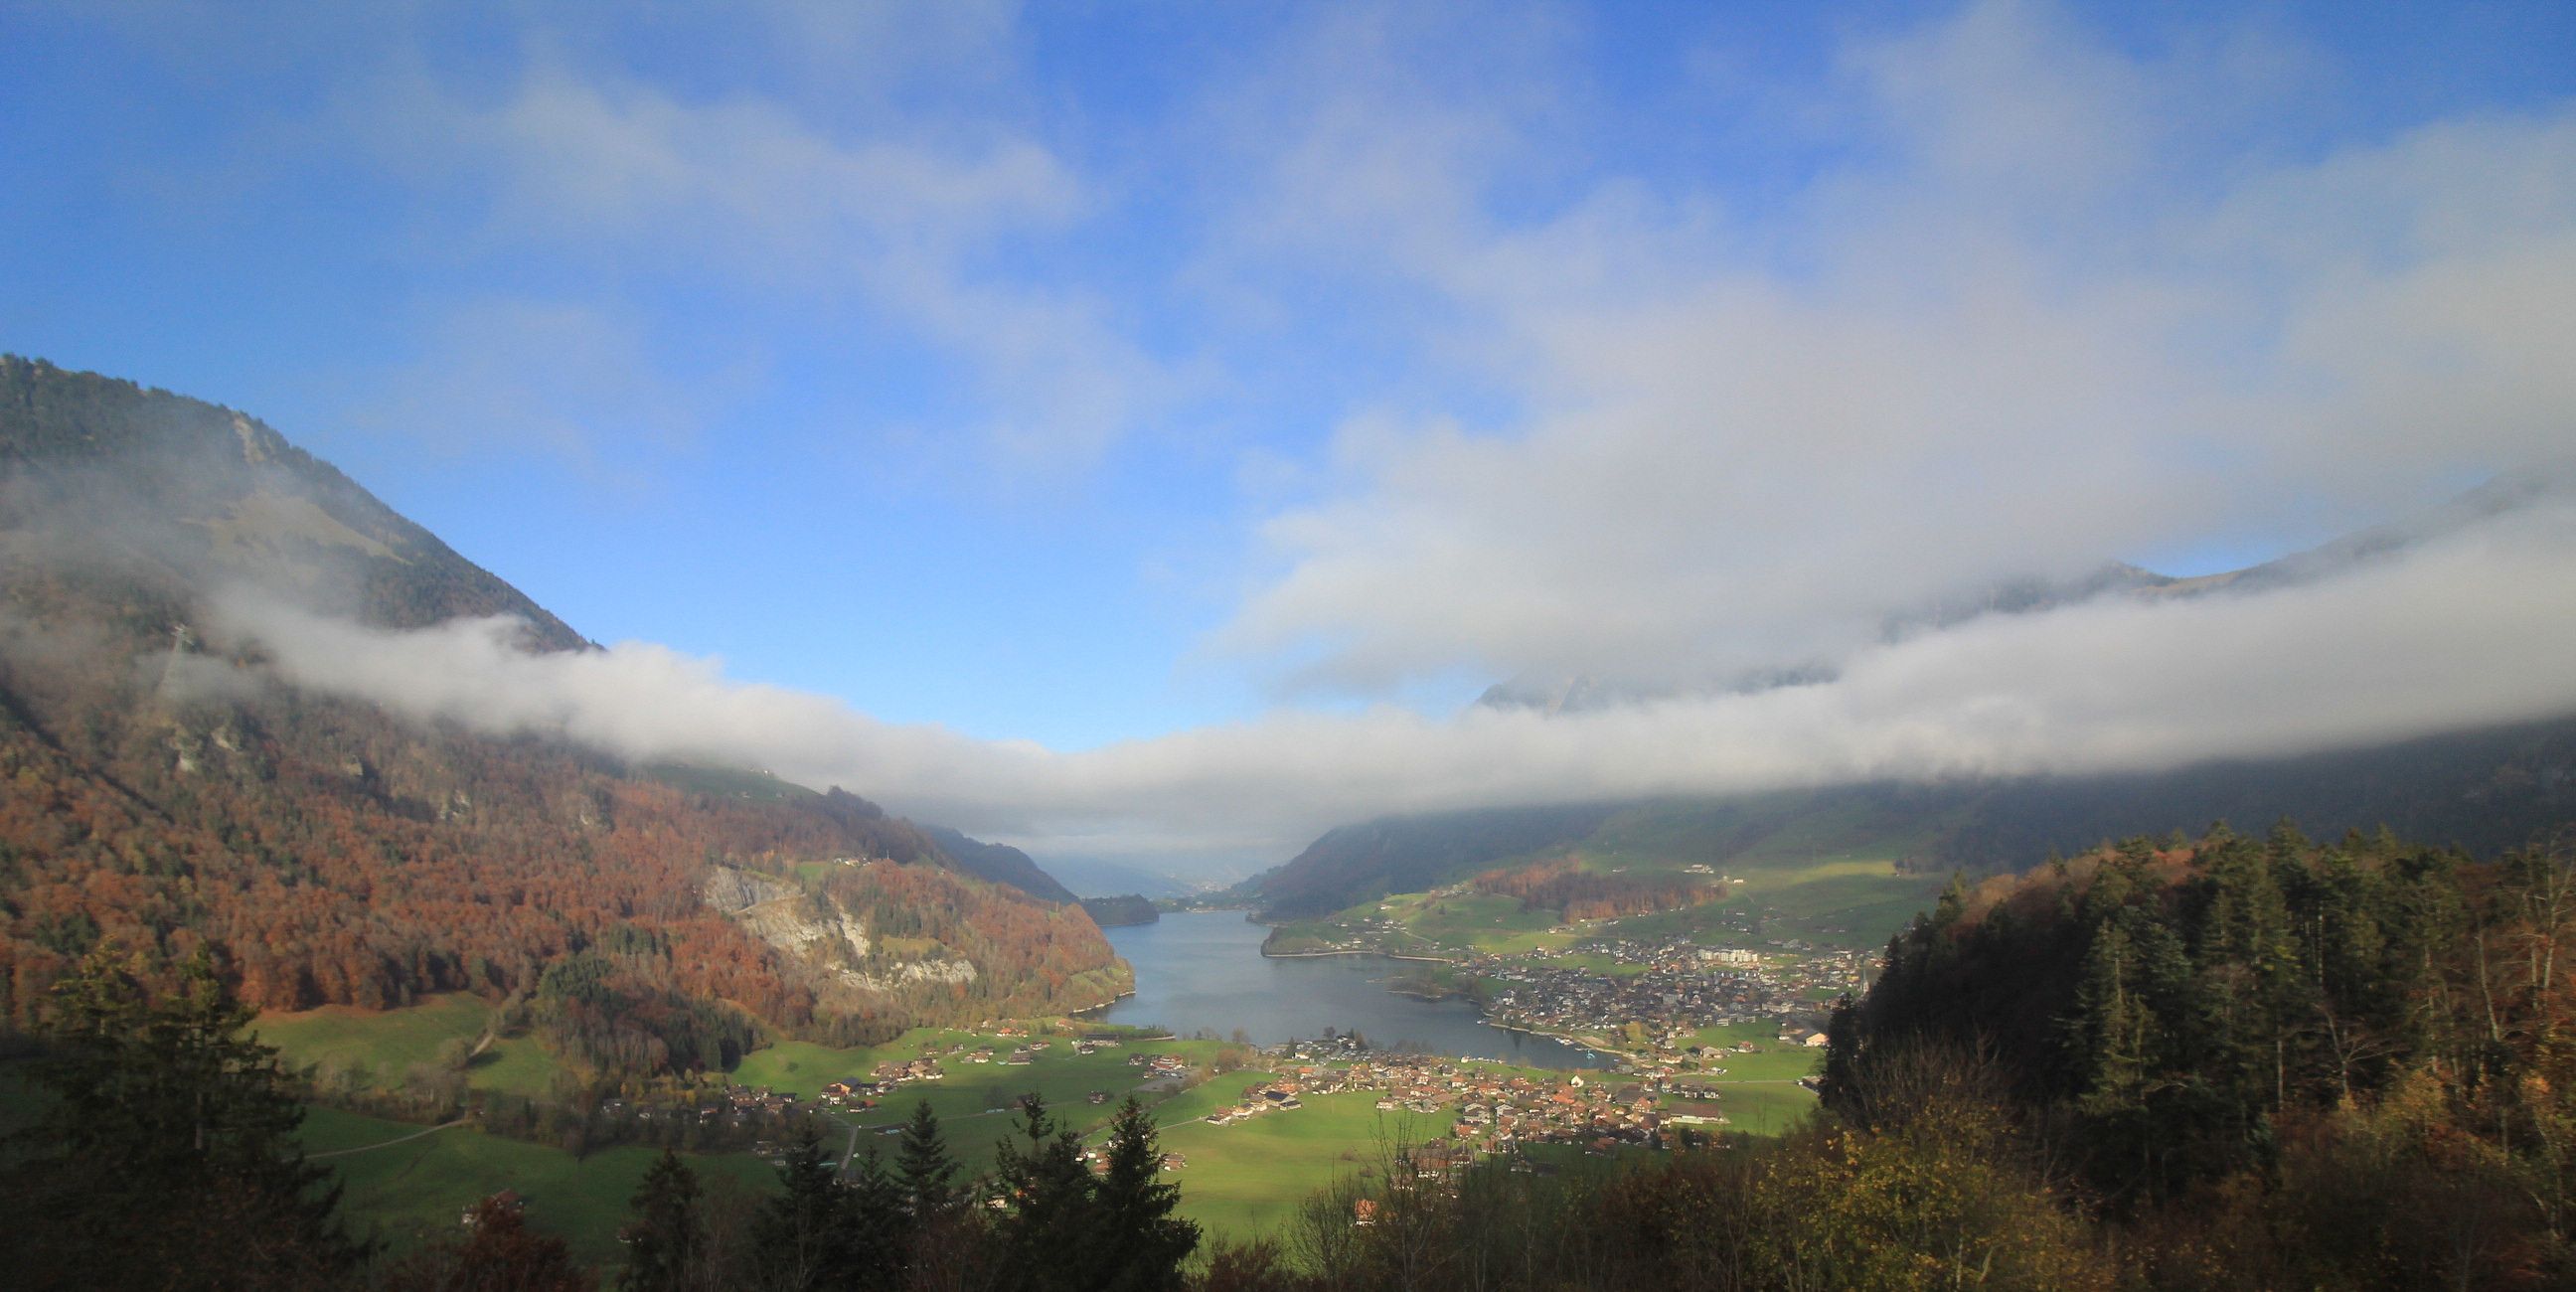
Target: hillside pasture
(411, 1192)
(1248, 1180)
(383, 1044)
(514, 1065)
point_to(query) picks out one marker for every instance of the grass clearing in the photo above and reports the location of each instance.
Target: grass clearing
(1249, 1179)
(966, 1099)
(412, 1192)
(384, 1043)
(1766, 1108)
(1774, 1061)
(514, 1065)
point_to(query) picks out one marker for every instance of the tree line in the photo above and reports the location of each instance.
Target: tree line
(1563, 888)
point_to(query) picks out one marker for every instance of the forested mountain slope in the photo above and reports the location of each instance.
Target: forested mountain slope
(2482, 791)
(1000, 863)
(2359, 1046)
(165, 793)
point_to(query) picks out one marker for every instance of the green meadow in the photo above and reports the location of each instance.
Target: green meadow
(1247, 1180)
(408, 1190)
(385, 1043)
(1775, 1061)
(514, 1065)
(413, 1191)
(977, 1103)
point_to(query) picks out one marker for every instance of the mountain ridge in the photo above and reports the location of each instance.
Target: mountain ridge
(171, 792)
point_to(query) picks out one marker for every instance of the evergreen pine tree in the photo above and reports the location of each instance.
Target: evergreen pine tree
(167, 1157)
(804, 1238)
(1049, 1214)
(1137, 1246)
(925, 1169)
(881, 1226)
(665, 1239)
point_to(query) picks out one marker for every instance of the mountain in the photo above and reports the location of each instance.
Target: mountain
(168, 791)
(1099, 877)
(1353, 863)
(1124, 909)
(1000, 864)
(992, 861)
(2481, 791)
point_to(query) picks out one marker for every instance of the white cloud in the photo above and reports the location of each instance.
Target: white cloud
(2468, 630)
(797, 211)
(2056, 303)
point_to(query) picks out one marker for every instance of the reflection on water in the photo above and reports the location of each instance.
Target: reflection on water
(1204, 971)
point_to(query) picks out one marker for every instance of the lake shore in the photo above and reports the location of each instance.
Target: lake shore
(1209, 971)
(1382, 955)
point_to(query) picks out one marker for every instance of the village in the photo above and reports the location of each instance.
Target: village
(1481, 1111)
(1643, 997)
(1676, 989)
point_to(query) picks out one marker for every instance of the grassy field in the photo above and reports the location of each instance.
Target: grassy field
(1775, 1061)
(385, 1043)
(1471, 922)
(966, 1100)
(1248, 1179)
(1766, 1108)
(514, 1065)
(409, 1192)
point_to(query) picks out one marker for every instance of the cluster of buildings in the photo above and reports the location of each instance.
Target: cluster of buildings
(1584, 1003)
(1679, 987)
(1487, 1113)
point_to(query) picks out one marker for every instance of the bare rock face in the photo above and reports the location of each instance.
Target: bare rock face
(733, 891)
(825, 936)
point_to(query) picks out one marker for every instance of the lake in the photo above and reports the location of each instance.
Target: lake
(1204, 971)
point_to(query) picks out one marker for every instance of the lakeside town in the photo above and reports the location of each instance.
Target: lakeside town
(1471, 1108)
(1642, 997)
(1485, 1109)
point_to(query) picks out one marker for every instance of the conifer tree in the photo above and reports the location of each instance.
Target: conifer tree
(167, 1157)
(881, 1226)
(924, 1167)
(804, 1238)
(1050, 1217)
(664, 1241)
(1137, 1246)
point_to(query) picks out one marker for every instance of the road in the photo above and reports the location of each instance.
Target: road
(343, 1152)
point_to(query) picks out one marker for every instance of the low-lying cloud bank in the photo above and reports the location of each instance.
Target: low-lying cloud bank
(2466, 631)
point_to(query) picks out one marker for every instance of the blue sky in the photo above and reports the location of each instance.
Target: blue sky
(1090, 373)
